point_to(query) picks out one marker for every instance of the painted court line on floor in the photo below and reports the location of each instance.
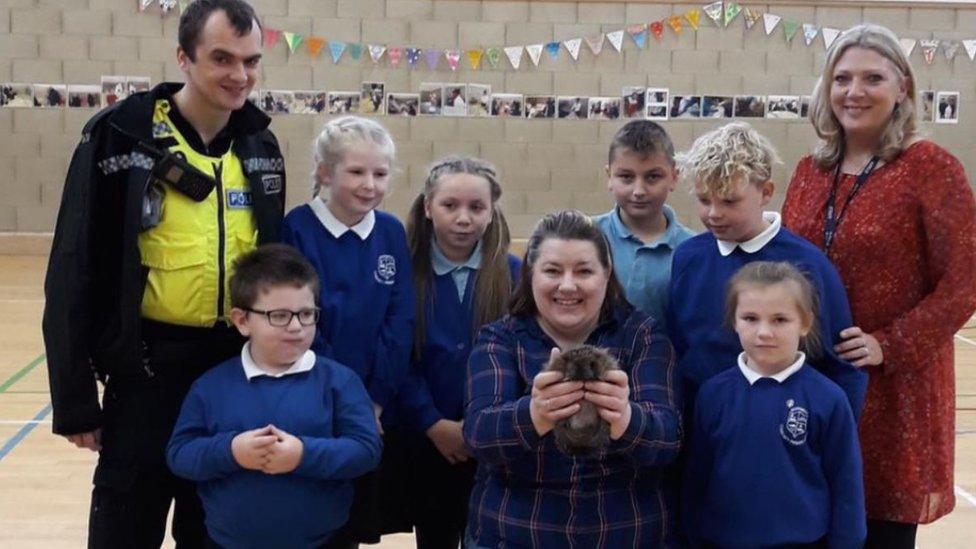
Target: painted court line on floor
(966, 339)
(23, 432)
(22, 372)
(966, 496)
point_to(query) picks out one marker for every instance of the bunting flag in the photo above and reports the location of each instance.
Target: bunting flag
(810, 33)
(314, 45)
(675, 23)
(751, 16)
(714, 12)
(595, 43)
(929, 47)
(789, 29)
(166, 6)
(770, 21)
(494, 55)
(552, 48)
(271, 37)
(908, 45)
(639, 34)
(616, 39)
(693, 17)
(731, 10)
(433, 56)
(657, 29)
(829, 35)
(393, 53)
(336, 48)
(143, 4)
(453, 57)
(376, 52)
(950, 48)
(573, 47)
(514, 54)
(355, 50)
(183, 4)
(474, 58)
(413, 56)
(535, 51)
(970, 46)
(293, 39)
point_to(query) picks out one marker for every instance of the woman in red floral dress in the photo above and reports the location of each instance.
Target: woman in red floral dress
(896, 216)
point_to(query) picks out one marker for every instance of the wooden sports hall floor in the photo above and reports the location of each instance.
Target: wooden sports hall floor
(45, 482)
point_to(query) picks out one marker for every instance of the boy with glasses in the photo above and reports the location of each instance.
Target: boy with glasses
(274, 437)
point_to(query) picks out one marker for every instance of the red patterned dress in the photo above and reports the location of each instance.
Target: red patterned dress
(906, 251)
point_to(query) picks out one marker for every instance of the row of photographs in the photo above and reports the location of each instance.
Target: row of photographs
(476, 100)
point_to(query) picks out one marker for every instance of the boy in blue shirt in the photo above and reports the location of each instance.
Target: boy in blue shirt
(273, 438)
(642, 230)
(731, 169)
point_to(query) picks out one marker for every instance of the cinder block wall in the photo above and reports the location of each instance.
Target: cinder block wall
(546, 164)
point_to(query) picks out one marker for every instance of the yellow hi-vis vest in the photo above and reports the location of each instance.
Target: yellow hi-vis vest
(191, 251)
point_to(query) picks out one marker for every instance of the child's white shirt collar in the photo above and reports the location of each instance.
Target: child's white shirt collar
(753, 245)
(337, 228)
(252, 370)
(753, 376)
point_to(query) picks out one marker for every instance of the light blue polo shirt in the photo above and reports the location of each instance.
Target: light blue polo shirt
(459, 272)
(644, 270)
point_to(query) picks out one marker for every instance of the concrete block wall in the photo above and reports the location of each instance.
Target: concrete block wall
(545, 164)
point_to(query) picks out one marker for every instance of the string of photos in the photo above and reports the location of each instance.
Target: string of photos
(722, 15)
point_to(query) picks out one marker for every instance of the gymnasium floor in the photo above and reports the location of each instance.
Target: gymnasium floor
(45, 482)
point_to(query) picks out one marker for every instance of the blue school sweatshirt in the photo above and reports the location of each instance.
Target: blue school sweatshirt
(435, 389)
(773, 463)
(326, 407)
(367, 297)
(705, 347)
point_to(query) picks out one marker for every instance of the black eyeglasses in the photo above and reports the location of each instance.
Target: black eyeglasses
(280, 318)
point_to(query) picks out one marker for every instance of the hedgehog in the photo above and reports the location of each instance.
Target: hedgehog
(585, 432)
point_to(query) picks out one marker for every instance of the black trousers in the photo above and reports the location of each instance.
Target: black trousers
(133, 487)
(886, 534)
(438, 495)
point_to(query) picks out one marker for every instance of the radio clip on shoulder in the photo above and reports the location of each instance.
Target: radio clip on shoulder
(178, 173)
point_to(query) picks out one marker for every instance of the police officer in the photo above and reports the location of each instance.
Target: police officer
(164, 191)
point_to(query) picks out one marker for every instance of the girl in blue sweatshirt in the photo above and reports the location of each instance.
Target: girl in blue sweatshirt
(463, 276)
(362, 259)
(774, 458)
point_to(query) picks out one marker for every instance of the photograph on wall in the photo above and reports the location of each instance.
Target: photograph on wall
(17, 95)
(431, 98)
(572, 107)
(277, 101)
(947, 107)
(750, 106)
(479, 100)
(402, 104)
(455, 100)
(136, 84)
(717, 106)
(84, 97)
(657, 103)
(604, 108)
(784, 107)
(50, 96)
(254, 97)
(804, 106)
(371, 98)
(114, 88)
(685, 106)
(506, 105)
(308, 102)
(343, 102)
(634, 98)
(926, 108)
(540, 106)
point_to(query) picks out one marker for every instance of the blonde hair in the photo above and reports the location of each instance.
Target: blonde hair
(721, 157)
(338, 134)
(902, 124)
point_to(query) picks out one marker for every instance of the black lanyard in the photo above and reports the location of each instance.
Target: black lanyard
(832, 223)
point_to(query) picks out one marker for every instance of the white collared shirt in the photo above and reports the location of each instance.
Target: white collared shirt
(753, 376)
(337, 228)
(753, 245)
(252, 370)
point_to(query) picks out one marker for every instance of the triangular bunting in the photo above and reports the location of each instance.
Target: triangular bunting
(494, 55)
(413, 55)
(474, 58)
(616, 39)
(908, 45)
(929, 47)
(271, 37)
(376, 52)
(336, 48)
(693, 17)
(829, 35)
(731, 10)
(657, 29)
(394, 54)
(143, 4)
(970, 46)
(950, 48)
(714, 12)
(514, 54)
(595, 43)
(453, 58)
(535, 51)
(639, 34)
(789, 29)
(293, 39)
(810, 33)
(314, 45)
(770, 21)
(674, 22)
(751, 16)
(355, 50)
(432, 56)
(573, 47)
(183, 4)
(552, 48)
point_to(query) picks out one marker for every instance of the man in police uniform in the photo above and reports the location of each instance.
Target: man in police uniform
(164, 191)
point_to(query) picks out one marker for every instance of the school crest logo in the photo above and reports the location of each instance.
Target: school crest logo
(794, 430)
(385, 269)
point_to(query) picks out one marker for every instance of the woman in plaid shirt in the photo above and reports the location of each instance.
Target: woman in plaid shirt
(527, 493)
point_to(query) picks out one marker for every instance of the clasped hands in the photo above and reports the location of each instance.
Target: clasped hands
(267, 449)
